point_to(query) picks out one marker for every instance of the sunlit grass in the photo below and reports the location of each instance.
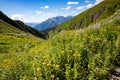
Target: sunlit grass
(68, 55)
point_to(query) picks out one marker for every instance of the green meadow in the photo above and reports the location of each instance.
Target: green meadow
(83, 54)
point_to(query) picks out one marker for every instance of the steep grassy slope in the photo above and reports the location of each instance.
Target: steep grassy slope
(92, 53)
(6, 28)
(14, 40)
(87, 54)
(20, 25)
(100, 11)
(15, 37)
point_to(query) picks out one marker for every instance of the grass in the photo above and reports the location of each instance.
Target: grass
(68, 55)
(7, 25)
(85, 54)
(84, 19)
(13, 40)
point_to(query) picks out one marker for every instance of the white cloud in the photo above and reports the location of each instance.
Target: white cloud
(45, 7)
(49, 15)
(35, 18)
(80, 7)
(19, 17)
(87, 1)
(70, 3)
(73, 11)
(89, 5)
(98, 1)
(67, 8)
(86, 6)
(38, 12)
(32, 17)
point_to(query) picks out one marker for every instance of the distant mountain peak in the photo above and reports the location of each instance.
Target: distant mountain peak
(32, 24)
(52, 22)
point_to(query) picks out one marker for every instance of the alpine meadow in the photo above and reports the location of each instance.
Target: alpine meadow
(85, 47)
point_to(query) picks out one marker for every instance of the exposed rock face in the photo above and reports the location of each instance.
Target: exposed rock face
(97, 14)
(90, 18)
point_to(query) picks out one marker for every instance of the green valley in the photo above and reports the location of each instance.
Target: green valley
(86, 47)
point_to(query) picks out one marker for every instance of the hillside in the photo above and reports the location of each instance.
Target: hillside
(85, 54)
(20, 25)
(14, 40)
(96, 13)
(91, 52)
(52, 22)
(6, 28)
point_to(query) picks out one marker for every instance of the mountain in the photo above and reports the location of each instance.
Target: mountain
(90, 16)
(32, 24)
(52, 22)
(18, 26)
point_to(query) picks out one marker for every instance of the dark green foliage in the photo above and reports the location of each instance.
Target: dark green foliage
(30, 30)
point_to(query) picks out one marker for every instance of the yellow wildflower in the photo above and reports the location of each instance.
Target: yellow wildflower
(70, 50)
(7, 63)
(92, 37)
(53, 65)
(52, 76)
(44, 63)
(47, 57)
(80, 46)
(62, 52)
(102, 30)
(85, 35)
(91, 41)
(89, 65)
(48, 64)
(97, 38)
(57, 66)
(76, 55)
(38, 69)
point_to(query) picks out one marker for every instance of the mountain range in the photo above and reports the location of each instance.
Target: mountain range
(32, 24)
(52, 22)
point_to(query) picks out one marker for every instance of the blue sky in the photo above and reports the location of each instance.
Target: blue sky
(40, 10)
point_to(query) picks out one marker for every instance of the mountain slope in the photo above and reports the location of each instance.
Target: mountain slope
(92, 54)
(14, 40)
(21, 26)
(6, 28)
(52, 22)
(100, 11)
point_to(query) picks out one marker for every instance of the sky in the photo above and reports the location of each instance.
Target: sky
(36, 11)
